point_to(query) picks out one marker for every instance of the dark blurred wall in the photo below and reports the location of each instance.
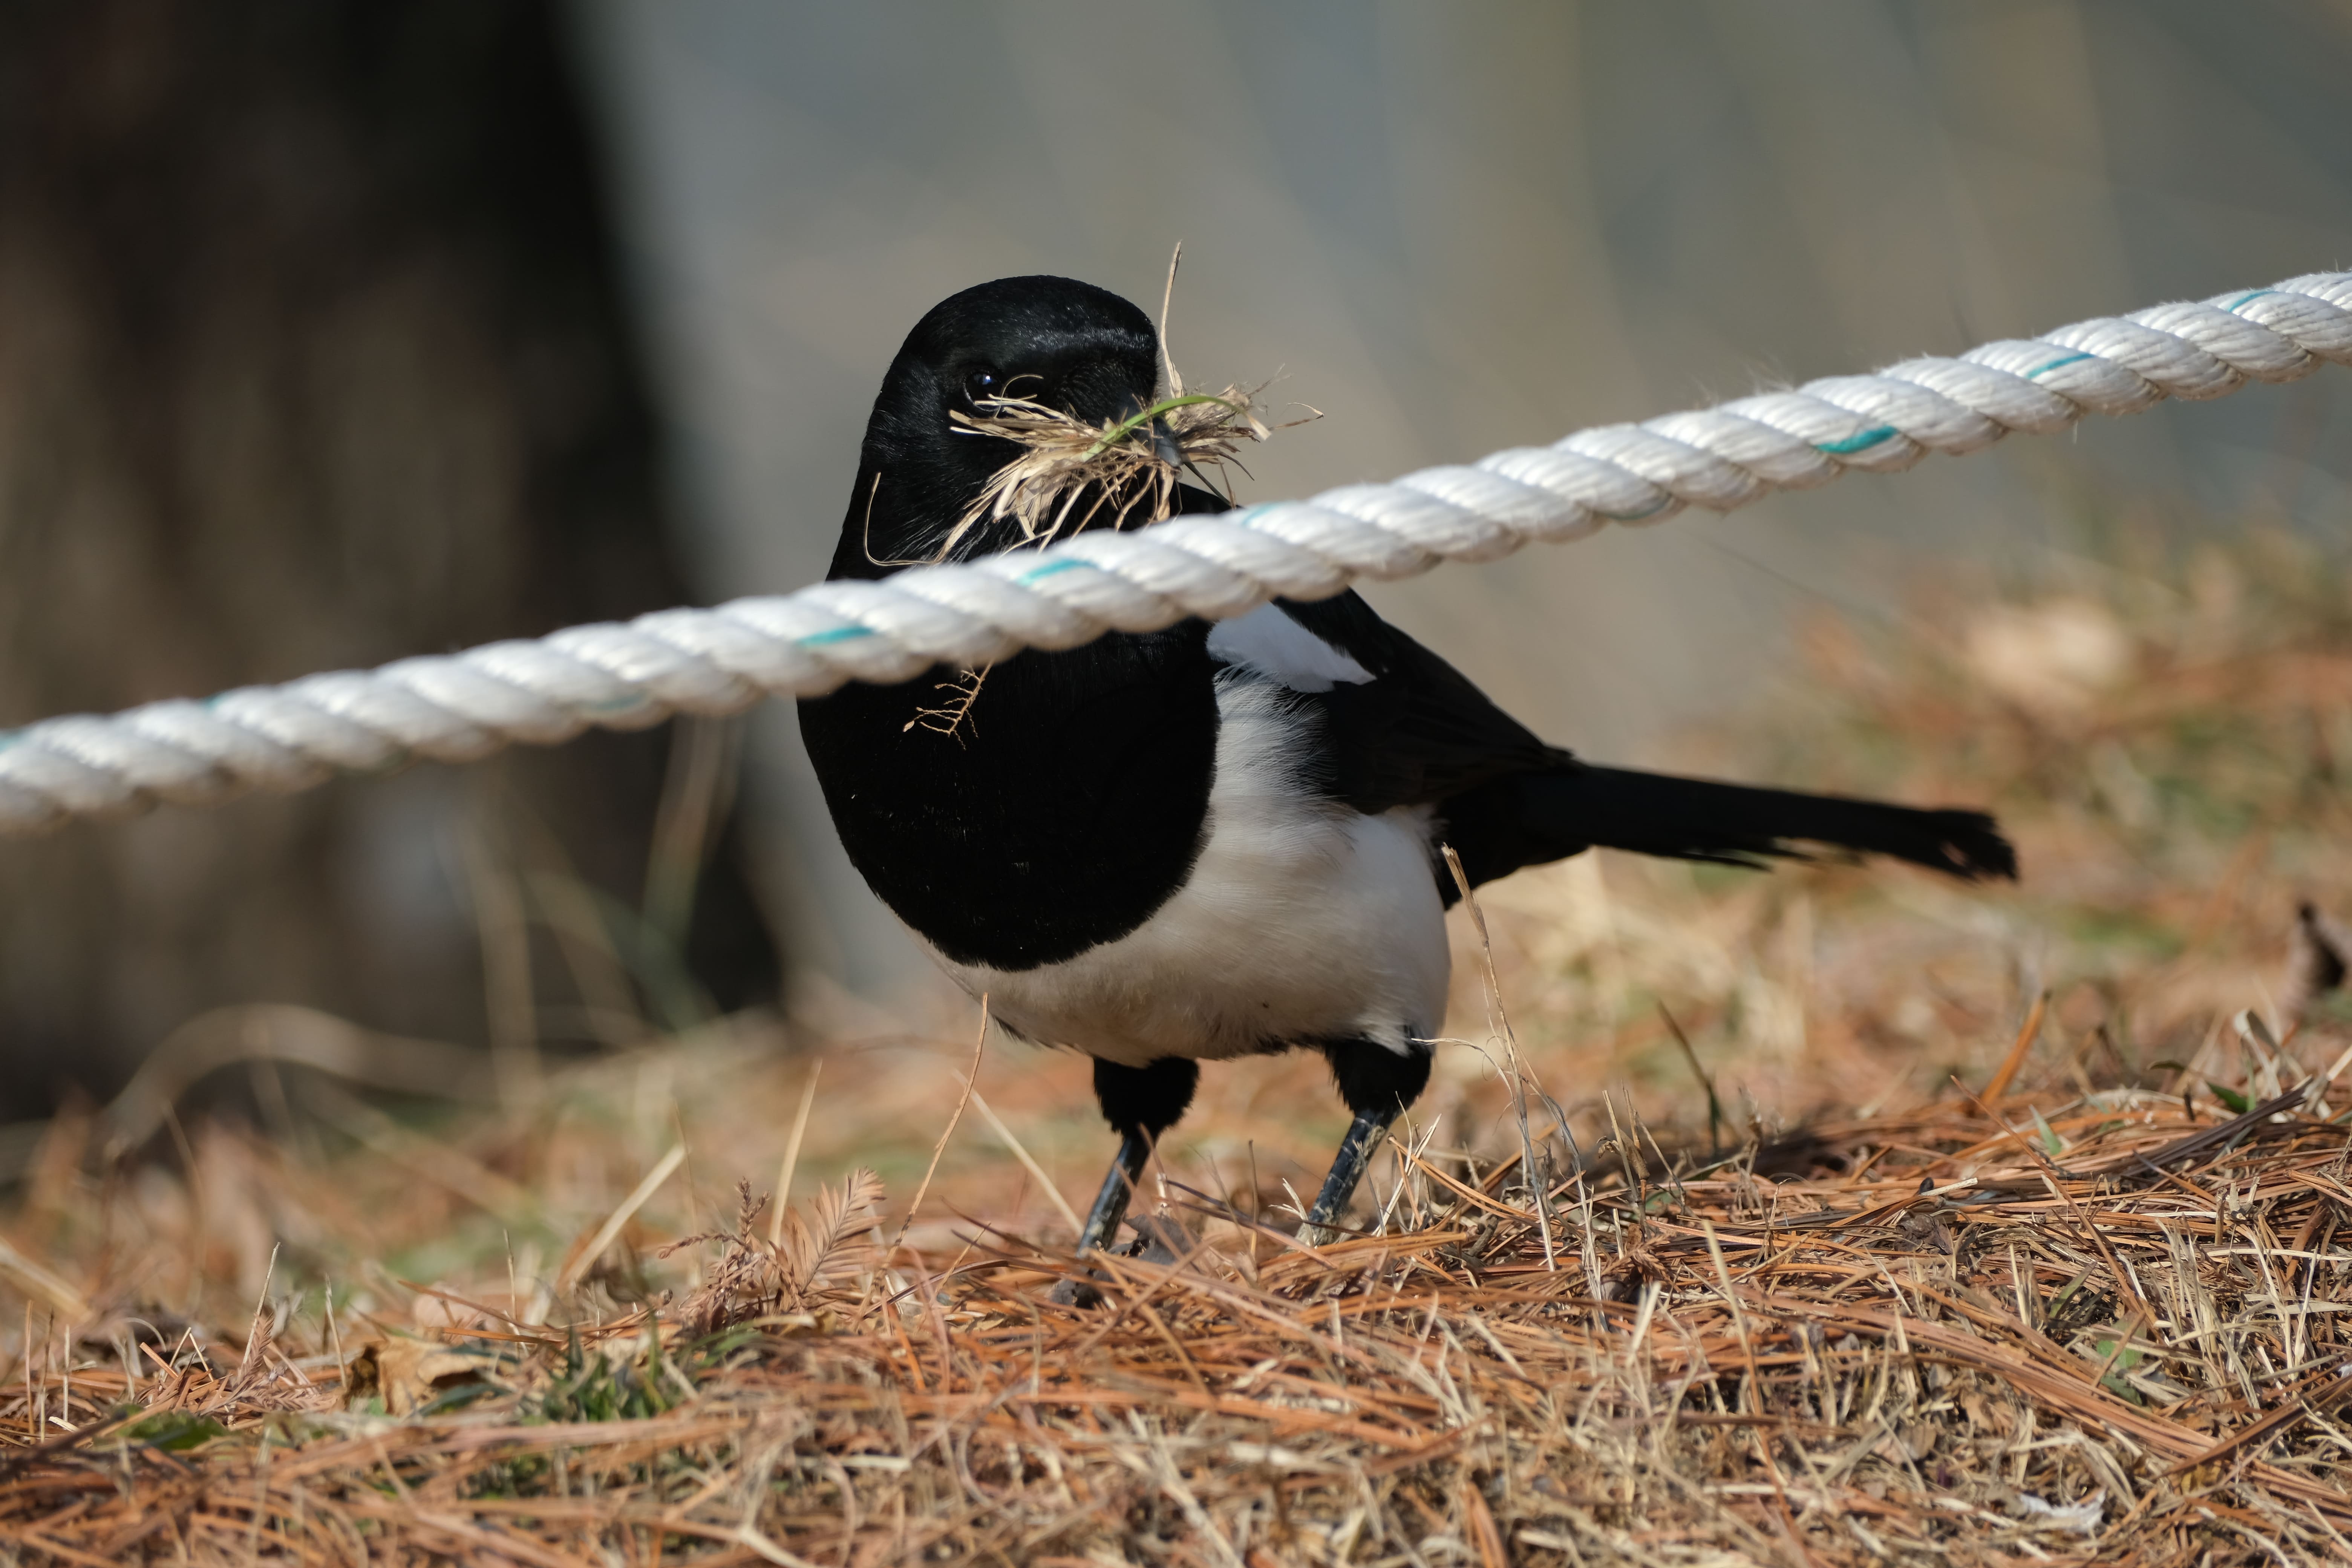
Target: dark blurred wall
(311, 355)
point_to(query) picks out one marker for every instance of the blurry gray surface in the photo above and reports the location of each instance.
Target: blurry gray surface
(1465, 227)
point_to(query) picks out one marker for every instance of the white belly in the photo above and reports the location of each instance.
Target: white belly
(1302, 922)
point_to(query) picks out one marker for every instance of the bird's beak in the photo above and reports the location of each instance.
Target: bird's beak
(1163, 445)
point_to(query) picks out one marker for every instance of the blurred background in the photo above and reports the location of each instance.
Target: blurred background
(332, 332)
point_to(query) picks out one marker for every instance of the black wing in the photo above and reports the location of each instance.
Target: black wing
(1418, 732)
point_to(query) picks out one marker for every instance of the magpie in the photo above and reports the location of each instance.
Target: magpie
(1219, 839)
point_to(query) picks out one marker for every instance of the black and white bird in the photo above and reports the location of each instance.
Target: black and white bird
(1220, 839)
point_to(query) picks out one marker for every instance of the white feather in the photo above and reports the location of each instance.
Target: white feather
(1275, 646)
(1302, 921)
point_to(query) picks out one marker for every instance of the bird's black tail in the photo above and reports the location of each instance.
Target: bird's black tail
(1535, 818)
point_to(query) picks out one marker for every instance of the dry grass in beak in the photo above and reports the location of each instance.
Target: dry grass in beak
(1070, 472)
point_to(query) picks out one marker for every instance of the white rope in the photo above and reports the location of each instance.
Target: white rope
(466, 705)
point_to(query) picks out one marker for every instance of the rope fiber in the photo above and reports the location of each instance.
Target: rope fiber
(466, 705)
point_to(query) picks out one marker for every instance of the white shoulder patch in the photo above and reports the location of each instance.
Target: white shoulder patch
(1273, 645)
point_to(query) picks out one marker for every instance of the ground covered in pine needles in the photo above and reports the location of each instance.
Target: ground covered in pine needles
(1837, 1215)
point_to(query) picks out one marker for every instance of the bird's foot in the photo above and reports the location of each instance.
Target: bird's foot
(1159, 1238)
(1073, 1291)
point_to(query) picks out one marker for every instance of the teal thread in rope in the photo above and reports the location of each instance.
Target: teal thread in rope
(2251, 294)
(2053, 364)
(1047, 570)
(1868, 438)
(838, 633)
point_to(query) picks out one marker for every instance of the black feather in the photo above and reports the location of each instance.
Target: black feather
(1534, 818)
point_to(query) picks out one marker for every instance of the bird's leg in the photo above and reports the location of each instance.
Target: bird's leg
(1141, 1103)
(1118, 1186)
(1378, 1084)
(1347, 1171)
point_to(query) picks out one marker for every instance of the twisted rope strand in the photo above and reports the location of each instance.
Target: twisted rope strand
(467, 705)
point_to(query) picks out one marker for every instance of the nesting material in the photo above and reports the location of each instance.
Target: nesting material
(1069, 473)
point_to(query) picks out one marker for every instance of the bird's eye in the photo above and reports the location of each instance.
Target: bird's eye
(980, 383)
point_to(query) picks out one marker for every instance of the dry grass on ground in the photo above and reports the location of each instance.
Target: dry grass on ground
(2086, 1308)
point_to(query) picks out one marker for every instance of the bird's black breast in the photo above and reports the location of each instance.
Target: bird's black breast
(1066, 808)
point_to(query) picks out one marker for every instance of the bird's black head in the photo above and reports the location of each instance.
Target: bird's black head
(1054, 341)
